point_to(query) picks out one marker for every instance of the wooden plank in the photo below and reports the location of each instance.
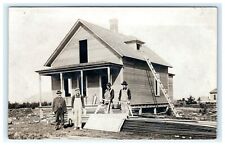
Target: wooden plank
(82, 82)
(106, 122)
(62, 84)
(170, 127)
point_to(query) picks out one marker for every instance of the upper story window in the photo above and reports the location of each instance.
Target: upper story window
(83, 50)
(157, 86)
(138, 46)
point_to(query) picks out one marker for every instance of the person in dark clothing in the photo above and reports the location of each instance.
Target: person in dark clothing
(59, 108)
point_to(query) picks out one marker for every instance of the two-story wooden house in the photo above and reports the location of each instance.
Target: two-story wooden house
(90, 56)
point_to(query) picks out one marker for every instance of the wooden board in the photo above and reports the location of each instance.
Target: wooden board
(105, 122)
(193, 129)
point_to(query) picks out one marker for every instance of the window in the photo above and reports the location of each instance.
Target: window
(138, 46)
(157, 86)
(214, 97)
(83, 51)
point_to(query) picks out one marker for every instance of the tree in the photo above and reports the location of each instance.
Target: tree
(191, 100)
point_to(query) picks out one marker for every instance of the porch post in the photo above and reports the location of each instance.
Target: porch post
(81, 82)
(62, 84)
(100, 88)
(40, 97)
(121, 75)
(108, 74)
(70, 86)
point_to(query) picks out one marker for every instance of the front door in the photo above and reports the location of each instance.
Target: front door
(104, 81)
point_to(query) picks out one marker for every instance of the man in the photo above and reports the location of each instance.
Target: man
(125, 98)
(59, 108)
(107, 99)
(77, 105)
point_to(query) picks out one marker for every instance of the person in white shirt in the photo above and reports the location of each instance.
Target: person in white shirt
(77, 106)
(125, 98)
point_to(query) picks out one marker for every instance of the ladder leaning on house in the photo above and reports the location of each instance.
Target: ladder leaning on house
(161, 87)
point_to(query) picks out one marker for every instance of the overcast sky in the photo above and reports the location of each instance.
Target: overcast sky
(184, 37)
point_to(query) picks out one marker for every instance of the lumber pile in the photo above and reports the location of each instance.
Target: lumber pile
(189, 129)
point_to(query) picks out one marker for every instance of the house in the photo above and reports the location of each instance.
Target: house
(209, 99)
(89, 56)
(203, 99)
(213, 95)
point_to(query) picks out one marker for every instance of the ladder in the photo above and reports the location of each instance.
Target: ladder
(161, 87)
(152, 88)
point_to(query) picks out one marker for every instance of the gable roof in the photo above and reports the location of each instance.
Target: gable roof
(115, 41)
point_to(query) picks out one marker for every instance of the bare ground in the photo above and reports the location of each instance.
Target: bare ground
(25, 124)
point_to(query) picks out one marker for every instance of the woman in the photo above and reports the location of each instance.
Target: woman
(77, 105)
(108, 98)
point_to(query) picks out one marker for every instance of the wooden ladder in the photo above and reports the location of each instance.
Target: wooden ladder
(162, 87)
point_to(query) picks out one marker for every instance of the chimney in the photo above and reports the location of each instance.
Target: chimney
(113, 25)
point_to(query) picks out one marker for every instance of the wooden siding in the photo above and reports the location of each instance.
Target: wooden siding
(96, 50)
(93, 88)
(136, 76)
(55, 85)
(55, 82)
(117, 79)
(170, 87)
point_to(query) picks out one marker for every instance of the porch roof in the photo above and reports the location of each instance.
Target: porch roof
(78, 67)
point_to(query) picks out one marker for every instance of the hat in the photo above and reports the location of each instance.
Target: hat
(124, 83)
(58, 92)
(109, 84)
(76, 89)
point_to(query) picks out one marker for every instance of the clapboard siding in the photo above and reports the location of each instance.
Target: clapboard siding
(55, 82)
(97, 51)
(93, 88)
(136, 76)
(170, 87)
(117, 78)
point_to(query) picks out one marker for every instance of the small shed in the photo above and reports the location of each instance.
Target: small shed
(213, 95)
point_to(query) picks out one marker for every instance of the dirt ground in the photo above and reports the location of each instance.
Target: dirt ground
(25, 124)
(195, 113)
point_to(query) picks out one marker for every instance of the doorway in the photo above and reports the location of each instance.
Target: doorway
(104, 81)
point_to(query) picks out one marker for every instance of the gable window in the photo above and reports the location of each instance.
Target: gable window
(157, 86)
(83, 51)
(138, 46)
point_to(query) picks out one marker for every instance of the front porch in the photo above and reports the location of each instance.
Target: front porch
(90, 78)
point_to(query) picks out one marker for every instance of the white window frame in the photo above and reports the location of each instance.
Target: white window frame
(157, 86)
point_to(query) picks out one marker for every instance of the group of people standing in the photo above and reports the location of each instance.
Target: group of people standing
(123, 99)
(59, 105)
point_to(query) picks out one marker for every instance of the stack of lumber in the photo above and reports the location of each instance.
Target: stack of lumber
(175, 127)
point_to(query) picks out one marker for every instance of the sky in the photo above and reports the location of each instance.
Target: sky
(185, 37)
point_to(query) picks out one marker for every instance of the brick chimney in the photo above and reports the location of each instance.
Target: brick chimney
(113, 25)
